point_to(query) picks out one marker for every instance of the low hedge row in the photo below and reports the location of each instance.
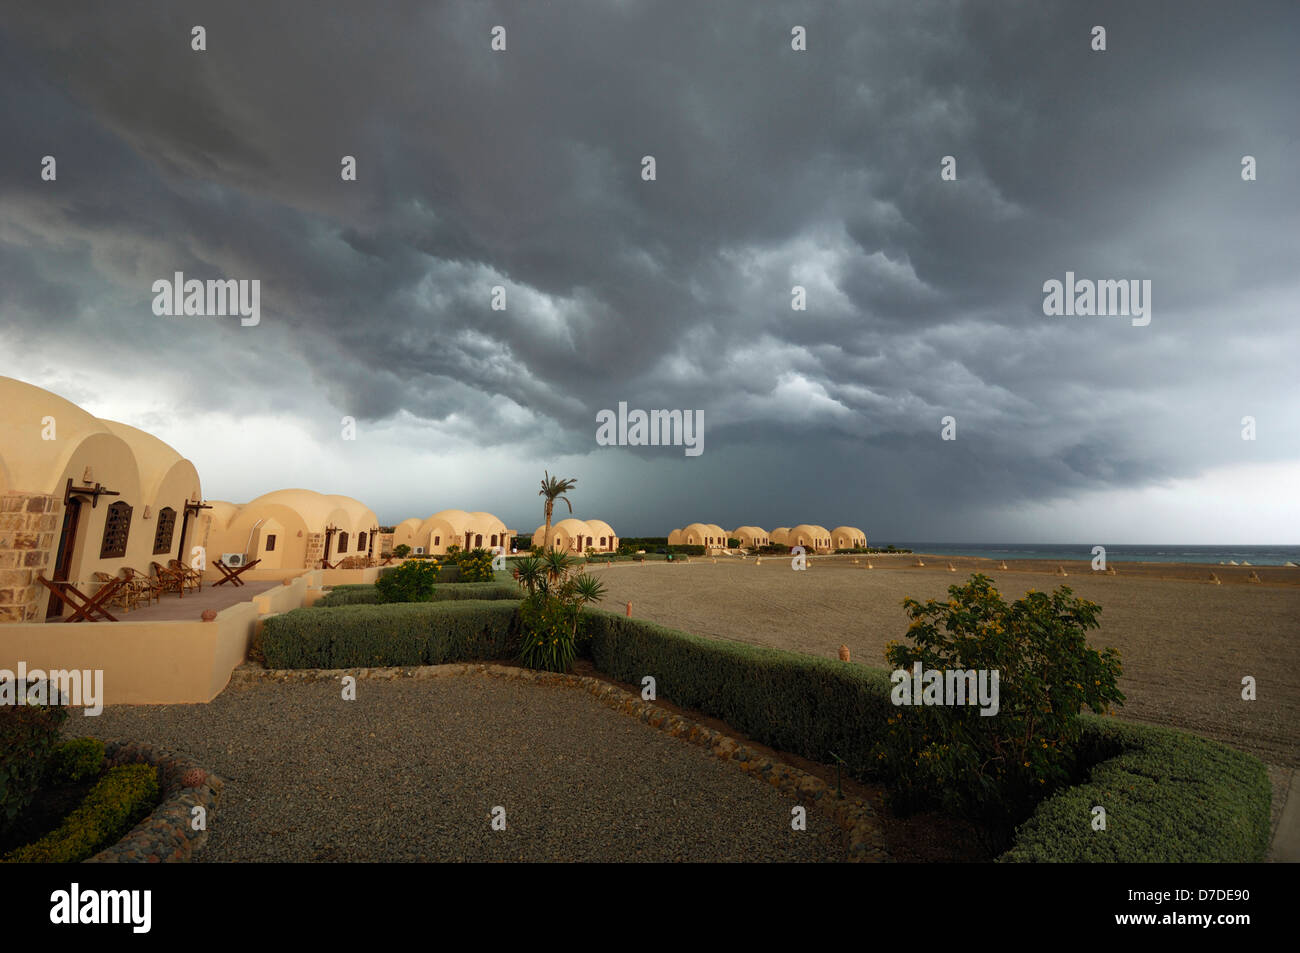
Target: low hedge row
(121, 798)
(28, 734)
(400, 633)
(369, 595)
(808, 706)
(1168, 797)
(75, 760)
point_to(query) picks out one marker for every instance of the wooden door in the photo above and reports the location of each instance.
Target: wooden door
(63, 561)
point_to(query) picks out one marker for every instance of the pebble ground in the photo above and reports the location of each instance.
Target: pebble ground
(412, 769)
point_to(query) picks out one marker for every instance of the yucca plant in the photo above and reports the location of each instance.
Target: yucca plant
(552, 610)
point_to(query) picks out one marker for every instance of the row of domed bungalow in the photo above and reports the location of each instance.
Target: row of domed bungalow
(808, 535)
(82, 499)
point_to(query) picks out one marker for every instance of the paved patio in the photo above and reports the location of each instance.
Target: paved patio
(173, 608)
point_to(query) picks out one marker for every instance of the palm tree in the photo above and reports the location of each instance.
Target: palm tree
(553, 488)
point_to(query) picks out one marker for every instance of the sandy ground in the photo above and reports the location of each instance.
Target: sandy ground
(1185, 643)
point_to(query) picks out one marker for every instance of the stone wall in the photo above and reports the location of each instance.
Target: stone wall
(29, 535)
(315, 550)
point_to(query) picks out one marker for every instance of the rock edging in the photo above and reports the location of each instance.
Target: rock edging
(167, 835)
(853, 815)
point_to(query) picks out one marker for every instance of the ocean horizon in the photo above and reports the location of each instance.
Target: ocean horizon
(1148, 553)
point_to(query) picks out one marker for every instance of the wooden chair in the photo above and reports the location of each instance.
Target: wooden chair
(124, 597)
(193, 579)
(169, 579)
(144, 585)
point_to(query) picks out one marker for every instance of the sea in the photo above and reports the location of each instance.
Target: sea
(1180, 553)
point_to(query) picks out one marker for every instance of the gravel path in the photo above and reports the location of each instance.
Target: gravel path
(411, 771)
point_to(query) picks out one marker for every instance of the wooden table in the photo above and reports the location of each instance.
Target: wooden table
(230, 575)
(84, 608)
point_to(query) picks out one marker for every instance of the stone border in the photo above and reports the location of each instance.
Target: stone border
(853, 815)
(165, 836)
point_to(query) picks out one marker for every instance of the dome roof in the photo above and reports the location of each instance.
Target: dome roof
(316, 509)
(571, 526)
(32, 463)
(601, 528)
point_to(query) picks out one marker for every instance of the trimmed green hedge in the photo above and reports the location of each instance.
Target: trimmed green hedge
(113, 806)
(794, 702)
(1169, 797)
(76, 760)
(28, 734)
(369, 595)
(399, 633)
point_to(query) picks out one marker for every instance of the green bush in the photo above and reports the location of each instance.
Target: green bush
(76, 760)
(475, 565)
(398, 634)
(370, 595)
(409, 582)
(28, 734)
(994, 769)
(807, 706)
(114, 805)
(1169, 797)
(546, 633)
(402, 551)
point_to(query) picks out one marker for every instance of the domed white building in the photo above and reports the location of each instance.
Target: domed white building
(577, 536)
(848, 537)
(447, 528)
(79, 496)
(294, 529)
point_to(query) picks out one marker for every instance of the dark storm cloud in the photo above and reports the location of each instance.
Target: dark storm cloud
(774, 168)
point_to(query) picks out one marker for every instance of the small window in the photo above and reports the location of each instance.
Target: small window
(437, 540)
(343, 542)
(117, 527)
(361, 541)
(270, 544)
(162, 540)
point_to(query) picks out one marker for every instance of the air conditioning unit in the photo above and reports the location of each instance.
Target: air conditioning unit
(419, 550)
(233, 559)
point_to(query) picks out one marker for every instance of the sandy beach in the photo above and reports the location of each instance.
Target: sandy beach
(1185, 642)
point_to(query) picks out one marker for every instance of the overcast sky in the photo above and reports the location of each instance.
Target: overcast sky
(774, 168)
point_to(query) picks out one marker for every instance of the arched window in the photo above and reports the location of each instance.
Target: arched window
(117, 527)
(162, 539)
(361, 541)
(343, 543)
(494, 539)
(478, 539)
(437, 540)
